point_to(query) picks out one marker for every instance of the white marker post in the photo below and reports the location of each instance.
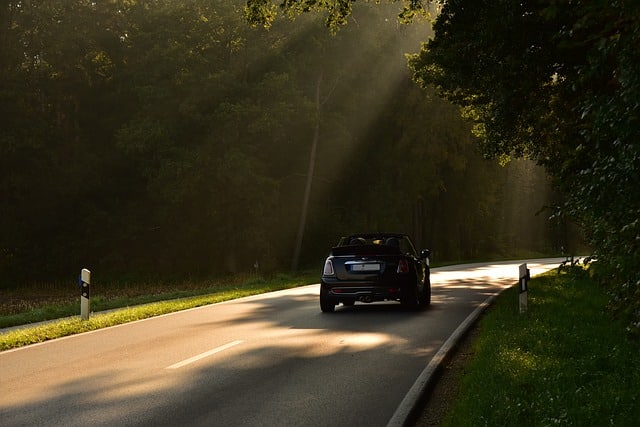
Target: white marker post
(525, 276)
(85, 282)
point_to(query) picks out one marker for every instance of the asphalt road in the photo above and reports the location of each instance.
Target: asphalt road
(266, 360)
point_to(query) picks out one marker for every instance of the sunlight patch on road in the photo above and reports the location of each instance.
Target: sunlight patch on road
(480, 276)
(364, 340)
(313, 343)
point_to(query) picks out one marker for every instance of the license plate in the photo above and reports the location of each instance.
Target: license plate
(365, 267)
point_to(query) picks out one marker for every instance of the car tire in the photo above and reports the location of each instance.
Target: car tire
(409, 297)
(426, 294)
(327, 304)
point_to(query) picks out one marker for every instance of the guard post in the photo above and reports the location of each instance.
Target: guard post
(85, 290)
(525, 276)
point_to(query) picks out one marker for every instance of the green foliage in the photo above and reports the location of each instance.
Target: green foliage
(563, 362)
(337, 12)
(478, 58)
(169, 139)
(556, 82)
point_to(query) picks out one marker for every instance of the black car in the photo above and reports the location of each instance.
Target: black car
(375, 267)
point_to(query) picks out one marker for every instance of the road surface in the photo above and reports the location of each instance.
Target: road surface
(265, 360)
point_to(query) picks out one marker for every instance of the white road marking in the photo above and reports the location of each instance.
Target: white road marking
(203, 355)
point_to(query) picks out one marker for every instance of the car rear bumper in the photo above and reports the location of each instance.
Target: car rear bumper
(362, 291)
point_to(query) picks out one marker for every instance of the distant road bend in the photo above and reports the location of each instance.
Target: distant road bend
(270, 359)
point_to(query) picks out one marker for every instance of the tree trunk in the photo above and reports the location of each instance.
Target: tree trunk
(307, 190)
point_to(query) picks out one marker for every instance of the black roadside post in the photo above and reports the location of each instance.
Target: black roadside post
(525, 276)
(85, 283)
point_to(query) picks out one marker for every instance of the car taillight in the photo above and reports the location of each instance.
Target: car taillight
(403, 266)
(328, 268)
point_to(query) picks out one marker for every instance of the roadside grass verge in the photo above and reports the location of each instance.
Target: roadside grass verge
(563, 362)
(123, 307)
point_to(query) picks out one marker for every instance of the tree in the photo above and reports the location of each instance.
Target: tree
(548, 80)
(54, 61)
(556, 82)
(264, 12)
(169, 139)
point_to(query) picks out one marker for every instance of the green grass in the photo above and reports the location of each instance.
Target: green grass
(563, 362)
(130, 303)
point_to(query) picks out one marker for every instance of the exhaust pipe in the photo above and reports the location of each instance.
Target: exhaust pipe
(366, 298)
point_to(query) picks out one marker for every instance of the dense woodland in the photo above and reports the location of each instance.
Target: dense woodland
(160, 138)
(550, 80)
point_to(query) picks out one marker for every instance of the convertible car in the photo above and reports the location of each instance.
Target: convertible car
(375, 267)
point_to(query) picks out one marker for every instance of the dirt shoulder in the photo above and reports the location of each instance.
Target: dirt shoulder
(441, 399)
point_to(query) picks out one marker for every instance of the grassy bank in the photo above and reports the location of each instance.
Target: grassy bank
(117, 304)
(564, 362)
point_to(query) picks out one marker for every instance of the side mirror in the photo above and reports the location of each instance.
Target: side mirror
(425, 253)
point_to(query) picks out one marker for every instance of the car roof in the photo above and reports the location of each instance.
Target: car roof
(382, 235)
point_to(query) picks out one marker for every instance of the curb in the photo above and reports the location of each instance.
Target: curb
(412, 404)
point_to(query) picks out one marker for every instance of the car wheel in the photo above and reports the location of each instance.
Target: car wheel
(425, 299)
(409, 297)
(327, 304)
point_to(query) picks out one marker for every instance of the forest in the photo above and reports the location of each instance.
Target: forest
(552, 81)
(166, 139)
